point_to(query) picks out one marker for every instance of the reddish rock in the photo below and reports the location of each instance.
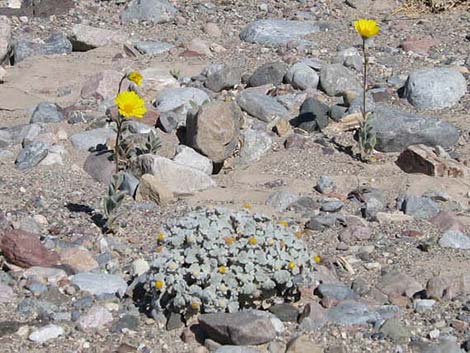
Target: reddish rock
(24, 249)
(78, 259)
(418, 45)
(424, 159)
(447, 221)
(295, 141)
(104, 85)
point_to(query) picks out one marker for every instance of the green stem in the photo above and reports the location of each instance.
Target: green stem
(117, 157)
(364, 84)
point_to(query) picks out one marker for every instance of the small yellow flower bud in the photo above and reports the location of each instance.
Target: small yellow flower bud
(159, 284)
(222, 269)
(247, 205)
(291, 265)
(317, 259)
(284, 223)
(252, 241)
(195, 306)
(161, 236)
(135, 77)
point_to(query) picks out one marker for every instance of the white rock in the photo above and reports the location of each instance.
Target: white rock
(140, 266)
(95, 318)
(190, 158)
(46, 275)
(46, 333)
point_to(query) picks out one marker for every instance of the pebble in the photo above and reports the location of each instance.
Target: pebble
(31, 155)
(46, 333)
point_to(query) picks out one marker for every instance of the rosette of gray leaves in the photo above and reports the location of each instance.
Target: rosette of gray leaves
(219, 260)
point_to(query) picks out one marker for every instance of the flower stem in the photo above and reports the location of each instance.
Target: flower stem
(120, 83)
(364, 83)
(117, 157)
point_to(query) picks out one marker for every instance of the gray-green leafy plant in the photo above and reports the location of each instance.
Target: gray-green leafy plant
(131, 146)
(367, 139)
(112, 201)
(218, 260)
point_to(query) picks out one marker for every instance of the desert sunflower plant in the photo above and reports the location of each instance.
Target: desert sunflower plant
(367, 139)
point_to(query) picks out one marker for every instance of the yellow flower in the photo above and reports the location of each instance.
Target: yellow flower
(195, 305)
(161, 236)
(135, 77)
(317, 259)
(299, 234)
(284, 223)
(159, 284)
(130, 104)
(291, 265)
(366, 28)
(222, 269)
(252, 241)
(247, 205)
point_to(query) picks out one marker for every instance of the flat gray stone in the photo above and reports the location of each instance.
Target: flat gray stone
(31, 155)
(46, 112)
(302, 76)
(270, 73)
(420, 207)
(350, 313)
(396, 130)
(455, 239)
(280, 200)
(261, 106)
(274, 32)
(224, 78)
(100, 283)
(85, 140)
(154, 11)
(435, 88)
(56, 43)
(153, 47)
(336, 80)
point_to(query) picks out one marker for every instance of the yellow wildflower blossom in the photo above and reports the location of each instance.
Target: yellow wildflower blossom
(366, 28)
(291, 265)
(222, 269)
(135, 77)
(195, 305)
(130, 104)
(317, 259)
(284, 223)
(252, 241)
(159, 284)
(247, 205)
(229, 241)
(161, 236)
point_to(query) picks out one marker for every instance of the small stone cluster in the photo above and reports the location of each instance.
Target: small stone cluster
(217, 260)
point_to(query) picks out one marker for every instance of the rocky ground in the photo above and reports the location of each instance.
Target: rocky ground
(267, 93)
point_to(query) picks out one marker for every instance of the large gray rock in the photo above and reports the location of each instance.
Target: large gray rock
(270, 73)
(351, 58)
(302, 76)
(261, 106)
(419, 207)
(313, 115)
(31, 155)
(5, 37)
(455, 239)
(255, 145)
(396, 130)
(85, 37)
(154, 11)
(240, 328)
(178, 101)
(435, 88)
(179, 179)
(274, 32)
(85, 140)
(153, 47)
(214, 130)
(224, 78)
(56, 43)
(280, 200)
(100, 166)
(99, 283)
(46, 112)
(336, 80)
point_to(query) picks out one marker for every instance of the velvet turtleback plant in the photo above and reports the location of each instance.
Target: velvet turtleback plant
(367, 139)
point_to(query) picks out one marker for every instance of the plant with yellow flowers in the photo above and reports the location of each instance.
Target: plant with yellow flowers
(367, 138)
(127, 146)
